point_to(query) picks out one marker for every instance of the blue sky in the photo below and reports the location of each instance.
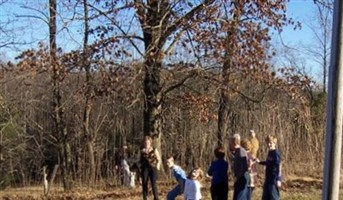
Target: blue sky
(297, 9)
(303, 11)
(33, 30)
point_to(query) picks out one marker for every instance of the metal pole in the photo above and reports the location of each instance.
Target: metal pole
(334, 118)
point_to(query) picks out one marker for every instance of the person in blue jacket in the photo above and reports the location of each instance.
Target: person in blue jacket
(218, 170)
(180, 176)
(273, 176)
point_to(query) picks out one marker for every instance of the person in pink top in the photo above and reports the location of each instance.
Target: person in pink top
(246, 144)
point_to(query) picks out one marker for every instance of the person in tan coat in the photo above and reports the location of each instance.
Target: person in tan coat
(254, 144)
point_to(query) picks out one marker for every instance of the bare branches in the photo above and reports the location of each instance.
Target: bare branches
(120, 28)
(44, 18)
(180, 83)
(325, 3)
(173, 27)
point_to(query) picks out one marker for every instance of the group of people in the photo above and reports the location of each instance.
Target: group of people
(243, 158)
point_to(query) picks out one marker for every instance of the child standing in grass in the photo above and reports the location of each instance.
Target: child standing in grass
(273, 176)
(192, 190)
(218, 170)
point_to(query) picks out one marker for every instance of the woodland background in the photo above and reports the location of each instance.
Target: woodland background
(188, 73)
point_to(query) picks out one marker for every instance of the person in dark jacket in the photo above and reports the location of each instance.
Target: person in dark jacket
(240, 168)
(218, 171)
(273, 176)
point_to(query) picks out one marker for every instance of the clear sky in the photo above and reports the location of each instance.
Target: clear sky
(299, 10)
(302, 11)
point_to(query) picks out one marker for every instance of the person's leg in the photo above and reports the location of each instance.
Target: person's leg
(275, 194)
(153, 179)
(266, 191)
(249, 193)
(174, 192)
(241, 189)
(144, 175)
(235, 190)
(214, 192)
(223, 191)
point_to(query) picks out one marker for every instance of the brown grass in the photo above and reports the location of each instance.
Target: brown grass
(297, 188)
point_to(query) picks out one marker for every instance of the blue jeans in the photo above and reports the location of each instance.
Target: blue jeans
(174, 192)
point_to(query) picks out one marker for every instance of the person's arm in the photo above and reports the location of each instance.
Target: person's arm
(260, 162)
(242, 166)
(185, 190)
(180, 176)
(210, 170)
(182, 184)
(280, 177)
(140, 156)
(278, 164)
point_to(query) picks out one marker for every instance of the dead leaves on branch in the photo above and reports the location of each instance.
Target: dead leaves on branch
(198, 106)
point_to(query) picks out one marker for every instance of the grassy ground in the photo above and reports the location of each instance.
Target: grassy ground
(295, 189)
(135, 194)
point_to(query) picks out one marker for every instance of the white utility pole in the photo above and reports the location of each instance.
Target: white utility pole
(334, 110)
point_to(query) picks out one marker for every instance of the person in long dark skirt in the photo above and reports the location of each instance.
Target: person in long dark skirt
(273, 177)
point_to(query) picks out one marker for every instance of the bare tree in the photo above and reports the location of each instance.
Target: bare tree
(89, 94)
(154, 28)
(57, 73)
(9, 37)
(246, 27)
(321, 26)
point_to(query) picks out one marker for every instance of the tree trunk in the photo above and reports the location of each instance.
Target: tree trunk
(60, 129)
(90, 148)
(153, 103)
(223, 116)
(89, 136)
(227, 69)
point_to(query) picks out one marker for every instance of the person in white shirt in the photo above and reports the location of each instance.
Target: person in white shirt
(192, 189)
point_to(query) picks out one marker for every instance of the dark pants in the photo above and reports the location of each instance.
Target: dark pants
(270, 192)
(241, 188)
(220, 191)
(250, 190)
(149, 173)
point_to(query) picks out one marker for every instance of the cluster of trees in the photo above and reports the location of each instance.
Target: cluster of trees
(187, 73)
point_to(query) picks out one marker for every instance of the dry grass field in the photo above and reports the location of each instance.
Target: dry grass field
(294, 188)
